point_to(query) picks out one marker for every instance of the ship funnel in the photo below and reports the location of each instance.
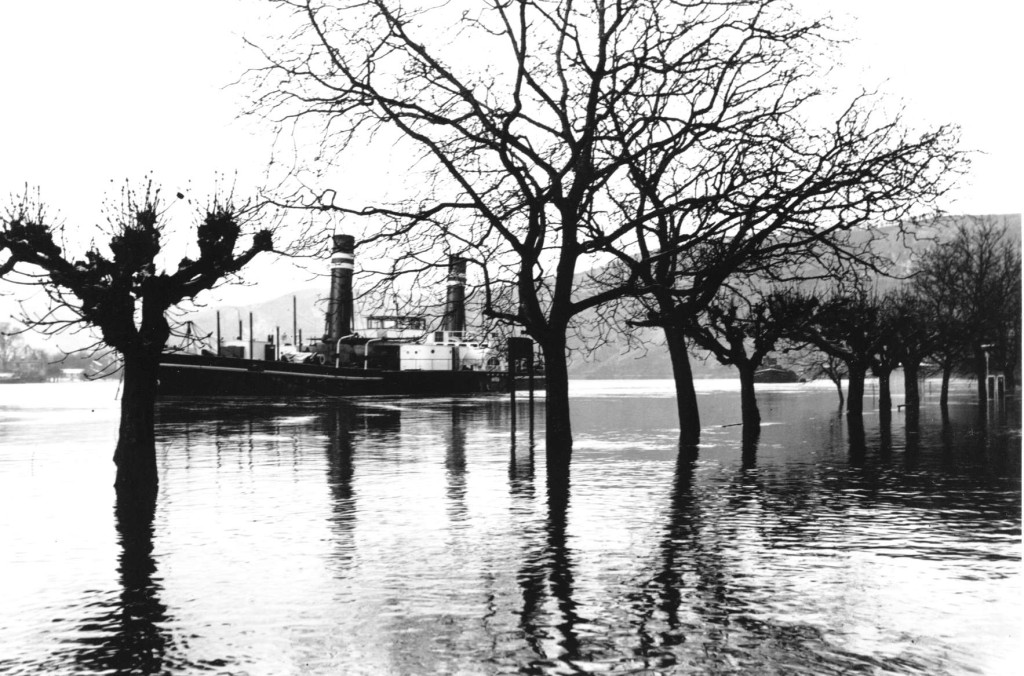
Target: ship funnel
(455, 307)
(339, 306)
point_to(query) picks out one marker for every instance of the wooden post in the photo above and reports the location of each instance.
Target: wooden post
(218, 333)
(529, 365)
(519, 348)
(295, 325)
(251, 343)
(512, 390)
(277, 343)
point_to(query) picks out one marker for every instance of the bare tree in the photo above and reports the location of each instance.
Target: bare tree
(120, 291)
(815, 364)
(743, 327)
(583, 132)
(845, 325)
(791, 206)
(889, 333)
(11, 344)
(971, 283)
(913, 332)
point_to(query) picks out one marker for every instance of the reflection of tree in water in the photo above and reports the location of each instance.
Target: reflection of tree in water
(885, 433)
(699, 611)
(455, 467)
(912, 435)
(521, 470)
(664, 592)
(338, 424)
(857, 439)
(128, 637)
(694, 593)
(130, 634)
(546, 574)
(748, 449)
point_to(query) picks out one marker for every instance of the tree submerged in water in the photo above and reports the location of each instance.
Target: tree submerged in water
(121, 292)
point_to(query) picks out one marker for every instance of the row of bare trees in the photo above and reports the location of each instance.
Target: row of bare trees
(957, 310)
(597, 154)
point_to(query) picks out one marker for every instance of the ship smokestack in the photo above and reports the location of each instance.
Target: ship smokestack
(339, 306)
(455, 307)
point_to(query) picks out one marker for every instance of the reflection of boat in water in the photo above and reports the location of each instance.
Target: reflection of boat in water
(392, 354)
(775, 374)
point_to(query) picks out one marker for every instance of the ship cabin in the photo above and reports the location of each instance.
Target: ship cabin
(401, 342)
(395, 327)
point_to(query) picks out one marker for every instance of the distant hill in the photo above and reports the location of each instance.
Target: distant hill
(611, 361)
(267, 317)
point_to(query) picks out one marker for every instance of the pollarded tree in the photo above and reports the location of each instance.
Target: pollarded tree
(121, 292)
(575, 133)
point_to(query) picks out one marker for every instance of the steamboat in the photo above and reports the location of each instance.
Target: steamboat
(390, 355)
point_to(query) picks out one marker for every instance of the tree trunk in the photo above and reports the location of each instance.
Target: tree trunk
(947, 371)
(748, 399)
(910, 375)
(135, 455)
(981, 372)
(558, 435)
(884, 392)
(857, 438)
(751, 435)
(1010, 363)
(839, 390)
(855, 390)
(686, 395)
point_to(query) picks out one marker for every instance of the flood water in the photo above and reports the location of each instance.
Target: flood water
(399, 536)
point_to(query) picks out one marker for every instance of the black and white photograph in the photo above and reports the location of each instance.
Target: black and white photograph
(487, 337)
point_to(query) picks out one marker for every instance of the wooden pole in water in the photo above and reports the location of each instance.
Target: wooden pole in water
(529, 365)
(512, 389)
(251, 343)
(218, 333)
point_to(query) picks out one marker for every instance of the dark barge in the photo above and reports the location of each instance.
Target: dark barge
(391, 355)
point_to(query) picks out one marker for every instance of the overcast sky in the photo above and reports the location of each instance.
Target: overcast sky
(105, 90)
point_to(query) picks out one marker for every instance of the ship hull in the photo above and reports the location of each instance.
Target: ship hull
(183, 375)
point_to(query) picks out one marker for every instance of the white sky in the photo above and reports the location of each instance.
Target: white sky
(105, 90)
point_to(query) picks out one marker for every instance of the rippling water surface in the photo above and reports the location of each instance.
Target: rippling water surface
(400, 536)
